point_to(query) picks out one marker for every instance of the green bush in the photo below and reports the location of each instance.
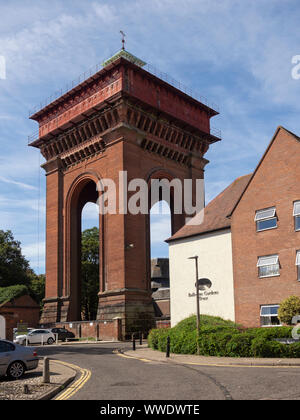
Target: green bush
(270, 333)
(224, 339)
(261, 347)
(153, 339)
(293, 350)
(289, 308)
(190, 323)
(239, 345)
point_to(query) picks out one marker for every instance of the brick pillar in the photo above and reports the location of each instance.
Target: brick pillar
(54, 241)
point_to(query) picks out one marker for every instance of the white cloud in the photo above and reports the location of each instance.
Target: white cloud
(34, 251)
(17, 183)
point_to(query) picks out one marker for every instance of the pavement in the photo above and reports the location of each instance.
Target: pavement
(31, 385)
(144, 353)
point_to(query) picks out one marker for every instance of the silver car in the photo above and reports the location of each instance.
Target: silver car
(15, 360)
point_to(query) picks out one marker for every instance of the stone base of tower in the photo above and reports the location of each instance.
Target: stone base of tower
(133, 306)
(55, 310)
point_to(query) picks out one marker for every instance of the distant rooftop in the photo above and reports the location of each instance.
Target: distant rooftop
(216, 212)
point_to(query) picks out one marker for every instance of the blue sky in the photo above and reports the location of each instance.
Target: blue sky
(236, 53)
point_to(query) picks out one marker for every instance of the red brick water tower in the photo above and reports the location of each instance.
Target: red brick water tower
(125, 117)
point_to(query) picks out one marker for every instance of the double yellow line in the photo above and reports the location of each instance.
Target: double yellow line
(85, 375)
(118, 353)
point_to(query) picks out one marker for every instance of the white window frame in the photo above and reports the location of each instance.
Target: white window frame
(265, 264)
(263, 215)
(296, 213)
(298, 264)
(269, 316)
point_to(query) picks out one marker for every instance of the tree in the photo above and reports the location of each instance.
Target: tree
(89, 273)
(289, 308)
(36, 286)
(13, 265)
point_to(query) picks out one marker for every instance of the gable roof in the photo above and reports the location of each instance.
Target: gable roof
(216, 212)
(279, 128)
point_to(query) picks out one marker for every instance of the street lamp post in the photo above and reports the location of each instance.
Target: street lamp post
(197, 303)
(199, 283)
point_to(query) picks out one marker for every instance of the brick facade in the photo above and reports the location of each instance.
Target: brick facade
(275, 182)
(22, 309)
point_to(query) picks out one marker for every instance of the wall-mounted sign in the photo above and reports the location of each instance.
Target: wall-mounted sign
(204, 295)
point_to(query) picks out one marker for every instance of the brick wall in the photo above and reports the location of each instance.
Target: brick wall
(101, 330)
(23, 309)
(275, 183)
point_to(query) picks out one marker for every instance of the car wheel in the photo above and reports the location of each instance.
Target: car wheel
(16, 370)
(50, 340)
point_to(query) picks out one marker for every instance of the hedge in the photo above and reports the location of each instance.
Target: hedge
(223, 338)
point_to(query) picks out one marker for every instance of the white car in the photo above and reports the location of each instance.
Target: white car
(35, 337)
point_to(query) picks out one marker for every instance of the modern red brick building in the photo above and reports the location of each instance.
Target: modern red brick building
(266, 234)
(124, 117)
(248, 243)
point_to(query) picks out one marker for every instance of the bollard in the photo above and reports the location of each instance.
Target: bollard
(42, 340)
(168, 347)
(25, 389)
(56, 339)
(141, 338)
(46, 371)
(133, 342)
(26, 341)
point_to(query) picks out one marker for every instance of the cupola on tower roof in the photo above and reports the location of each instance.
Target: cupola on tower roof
(127, 55)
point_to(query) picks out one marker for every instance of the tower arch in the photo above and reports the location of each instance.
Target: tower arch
(82, 191)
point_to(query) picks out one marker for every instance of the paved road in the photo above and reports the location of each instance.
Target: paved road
(117, 378)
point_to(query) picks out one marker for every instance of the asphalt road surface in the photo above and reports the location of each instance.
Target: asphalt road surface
(117, 378)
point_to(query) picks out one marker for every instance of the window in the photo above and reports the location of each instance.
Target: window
(298, 264)
(268, 266)
(266, 219)
(269, 315)
(6, 347)
(296, 215)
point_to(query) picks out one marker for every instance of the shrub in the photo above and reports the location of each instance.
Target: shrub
(293, 350)
(223, 338)
(190, 323)
(239, 345)
(153, 339)
(215, 344)
(289, 308)
(261, 347)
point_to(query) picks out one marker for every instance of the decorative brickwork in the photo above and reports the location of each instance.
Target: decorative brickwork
(121, 119)
(275, 182)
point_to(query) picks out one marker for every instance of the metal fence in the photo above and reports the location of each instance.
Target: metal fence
(148, 67)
